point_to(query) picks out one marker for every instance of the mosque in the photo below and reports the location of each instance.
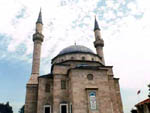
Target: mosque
(79, 80)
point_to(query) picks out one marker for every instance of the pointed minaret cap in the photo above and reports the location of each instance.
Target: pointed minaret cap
(39, 20)
(96, 26)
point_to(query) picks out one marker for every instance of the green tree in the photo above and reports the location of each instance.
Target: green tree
(21, 109)
(5, 108)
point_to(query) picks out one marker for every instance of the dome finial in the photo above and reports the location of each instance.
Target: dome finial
(96, 26)
(75, 43)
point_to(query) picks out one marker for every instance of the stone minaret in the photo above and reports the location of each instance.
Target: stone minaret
(37, 39)
(32, 85)
(99, 42)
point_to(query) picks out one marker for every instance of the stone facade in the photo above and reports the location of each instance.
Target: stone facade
(79, 81)
(78, 87)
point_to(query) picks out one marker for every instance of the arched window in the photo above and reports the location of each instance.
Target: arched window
(92, 59)
(92, 96)
(83, 58)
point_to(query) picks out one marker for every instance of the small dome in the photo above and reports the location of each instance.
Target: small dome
(74, 49)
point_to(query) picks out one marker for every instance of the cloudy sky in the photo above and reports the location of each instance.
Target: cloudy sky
(125, 27)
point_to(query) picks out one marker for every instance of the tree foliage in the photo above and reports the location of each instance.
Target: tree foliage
(5, 108)
(21, 109)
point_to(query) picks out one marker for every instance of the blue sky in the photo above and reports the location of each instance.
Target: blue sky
(125, 29)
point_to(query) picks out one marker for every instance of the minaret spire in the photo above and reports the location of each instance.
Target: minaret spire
(39, 23)
(98, 43)
(96, 26)
(39, 20)
(37, 39)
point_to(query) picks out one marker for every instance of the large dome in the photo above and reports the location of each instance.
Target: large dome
(74, 49)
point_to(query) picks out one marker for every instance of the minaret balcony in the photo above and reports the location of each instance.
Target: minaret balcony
(38, 36)
(99, 42)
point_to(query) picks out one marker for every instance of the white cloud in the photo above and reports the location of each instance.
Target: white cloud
(109, 3)
(125, 32)
(131, 50)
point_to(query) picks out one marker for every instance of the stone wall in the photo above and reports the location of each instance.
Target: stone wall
(44, 97)
(31, 98)
(80, 83)
(118, 94)
(59, 95)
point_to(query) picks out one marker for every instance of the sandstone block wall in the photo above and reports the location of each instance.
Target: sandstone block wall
(78, 87)
(80, 83)
(31, 98)
(44, 98)
(118, 94)
(59, 95)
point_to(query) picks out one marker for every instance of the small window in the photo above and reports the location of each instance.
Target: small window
(62, 60)
(90, 77)
(63, 108)
(92, 99)
(47, 109)
(63, 84)
(92, 59)
(72, 58)
(47, 88)
(83, 58)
